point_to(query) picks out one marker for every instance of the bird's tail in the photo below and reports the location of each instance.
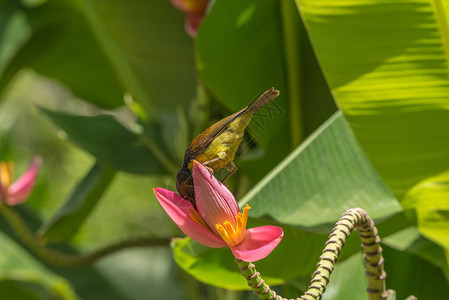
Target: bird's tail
(263, 99)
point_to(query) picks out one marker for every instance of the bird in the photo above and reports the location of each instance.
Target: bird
(216, 146)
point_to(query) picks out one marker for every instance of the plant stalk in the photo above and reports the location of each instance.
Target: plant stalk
(292, 43)
(66, 260)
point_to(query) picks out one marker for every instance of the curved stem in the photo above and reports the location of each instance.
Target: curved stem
(255, 281)
(372, 254)
(64, 259)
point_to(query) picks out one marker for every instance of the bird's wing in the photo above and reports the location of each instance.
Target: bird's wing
(200, 143)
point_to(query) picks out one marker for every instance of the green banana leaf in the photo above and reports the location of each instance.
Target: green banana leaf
(54, 39)
(410, 275)
(323, 177)
(153, 61)
(85, 196)
(387, 65)
(111, 142)
(430, 199)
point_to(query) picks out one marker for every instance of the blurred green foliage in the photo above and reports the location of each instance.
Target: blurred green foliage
(111, 93)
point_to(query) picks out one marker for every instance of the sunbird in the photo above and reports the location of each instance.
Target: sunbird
(216, 146)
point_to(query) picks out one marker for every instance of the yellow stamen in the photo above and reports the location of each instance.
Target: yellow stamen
(6, 174)
(234, 236)
(223, 233)
(195, 216)
(245, 215)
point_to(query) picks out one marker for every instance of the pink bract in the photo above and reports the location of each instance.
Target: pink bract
(195, 11)
(215, 206)
(179, 211)
(19, 190)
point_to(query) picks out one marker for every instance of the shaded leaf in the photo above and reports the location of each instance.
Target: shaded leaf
(409, 275)
(14, 32)
(148, 48)
(89, 282)
(411, 240)
(66, 222)
(24, 288)
(23, 277)
(32, 3)
(145, 273)
(108, 140)
(55, 40)
(348, 280)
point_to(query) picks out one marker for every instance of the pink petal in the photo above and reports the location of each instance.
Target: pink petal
(22, 187)
(258, 243)
(179, 4)
(193, 22)
(179, 210)
(214, 201)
